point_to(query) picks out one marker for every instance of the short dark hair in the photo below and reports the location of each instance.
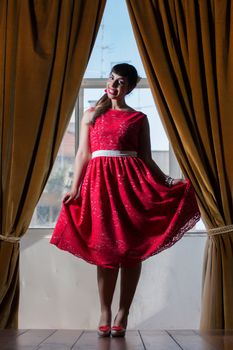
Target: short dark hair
(128, 71)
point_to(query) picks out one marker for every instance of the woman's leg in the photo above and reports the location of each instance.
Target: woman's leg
(129, 280)
(106, 278)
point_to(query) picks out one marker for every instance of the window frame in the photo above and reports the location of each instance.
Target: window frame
(100, 83)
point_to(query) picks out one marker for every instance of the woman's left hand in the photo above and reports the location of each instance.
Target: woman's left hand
(177, 181)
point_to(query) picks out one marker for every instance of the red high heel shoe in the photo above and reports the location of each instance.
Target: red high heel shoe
(118, 331)
(104, 331)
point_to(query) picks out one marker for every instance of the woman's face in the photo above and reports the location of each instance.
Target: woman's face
(117, 86)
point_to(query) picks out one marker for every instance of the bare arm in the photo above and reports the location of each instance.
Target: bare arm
(82, 157)
(145, 152)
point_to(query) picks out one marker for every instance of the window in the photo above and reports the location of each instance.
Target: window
(115, 43)
(47, 210)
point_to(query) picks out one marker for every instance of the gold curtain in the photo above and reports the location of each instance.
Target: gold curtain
(187, 51)
(45, 47)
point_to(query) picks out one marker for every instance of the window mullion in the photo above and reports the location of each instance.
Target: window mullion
(79, 107)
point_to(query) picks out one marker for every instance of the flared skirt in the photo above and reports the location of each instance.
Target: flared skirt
(124, 214)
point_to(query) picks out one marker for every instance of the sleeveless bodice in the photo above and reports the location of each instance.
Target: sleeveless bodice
(116, 130)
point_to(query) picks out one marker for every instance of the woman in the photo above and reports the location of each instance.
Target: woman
(121, 208)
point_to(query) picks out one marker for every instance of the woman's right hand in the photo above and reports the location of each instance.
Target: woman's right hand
(70, 195)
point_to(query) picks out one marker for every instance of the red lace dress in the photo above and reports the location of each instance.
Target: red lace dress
(124, 213)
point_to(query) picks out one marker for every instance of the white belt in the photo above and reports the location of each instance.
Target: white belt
(113, 153)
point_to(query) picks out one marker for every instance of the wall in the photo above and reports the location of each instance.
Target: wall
(59, 290)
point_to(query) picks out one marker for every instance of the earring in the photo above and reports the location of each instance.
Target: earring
(105, 90)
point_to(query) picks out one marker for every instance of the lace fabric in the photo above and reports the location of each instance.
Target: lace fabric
(124, 213)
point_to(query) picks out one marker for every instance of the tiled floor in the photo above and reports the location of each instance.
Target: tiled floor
(51, 339)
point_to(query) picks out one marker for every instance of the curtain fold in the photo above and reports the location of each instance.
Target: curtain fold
(45, 47)
(187, 50)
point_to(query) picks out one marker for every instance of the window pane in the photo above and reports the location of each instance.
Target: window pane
(46, 212)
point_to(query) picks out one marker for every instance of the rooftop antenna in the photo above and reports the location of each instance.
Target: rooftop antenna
(102, 47)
